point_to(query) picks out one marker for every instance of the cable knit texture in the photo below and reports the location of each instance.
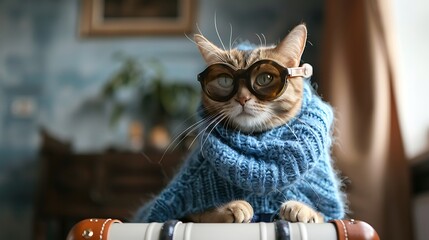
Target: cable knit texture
(290, 162)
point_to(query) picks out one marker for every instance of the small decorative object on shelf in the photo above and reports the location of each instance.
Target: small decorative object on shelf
(135, 135)
(159, 138)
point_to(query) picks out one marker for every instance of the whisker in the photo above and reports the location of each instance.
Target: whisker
(207, 135)
(185, 133)
(181, 135)
(190, 39)
(299, 120)
(205, 129)
(217, 31)
(282, 121)
(265, 40)
(260, 39)
(291, 130)
(234, 42)
(230, 37)
(199, 30)
(221, 58)
(228, 122)
(208, 119)
(319, 199)
(192, 128)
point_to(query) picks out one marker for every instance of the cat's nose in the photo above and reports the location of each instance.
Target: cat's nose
(242, 99)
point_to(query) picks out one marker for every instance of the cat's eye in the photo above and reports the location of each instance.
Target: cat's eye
(264, 79)
(219, 85)
(225, 81)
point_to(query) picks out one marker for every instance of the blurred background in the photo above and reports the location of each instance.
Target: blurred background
(92, 92)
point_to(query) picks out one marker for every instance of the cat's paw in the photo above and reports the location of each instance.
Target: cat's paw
(236, 212)
(233, 212)
(295, 211)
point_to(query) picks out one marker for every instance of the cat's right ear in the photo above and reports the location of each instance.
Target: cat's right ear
(293, 46)
(210, 52)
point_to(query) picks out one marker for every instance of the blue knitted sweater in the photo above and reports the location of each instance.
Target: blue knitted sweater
(290, 162)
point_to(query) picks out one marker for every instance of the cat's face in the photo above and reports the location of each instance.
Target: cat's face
(244, 111)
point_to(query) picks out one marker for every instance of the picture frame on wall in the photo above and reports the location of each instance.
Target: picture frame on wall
(136, 17)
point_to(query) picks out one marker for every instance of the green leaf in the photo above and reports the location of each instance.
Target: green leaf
(118, 109)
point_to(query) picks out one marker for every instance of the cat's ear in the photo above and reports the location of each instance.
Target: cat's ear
(292, 46)
(210, 52)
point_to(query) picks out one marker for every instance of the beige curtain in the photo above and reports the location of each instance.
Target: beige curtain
(358, 77)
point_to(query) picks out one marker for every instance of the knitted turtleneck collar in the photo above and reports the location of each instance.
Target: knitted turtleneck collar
(271, 159)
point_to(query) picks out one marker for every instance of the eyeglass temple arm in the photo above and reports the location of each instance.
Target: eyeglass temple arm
(306, 70)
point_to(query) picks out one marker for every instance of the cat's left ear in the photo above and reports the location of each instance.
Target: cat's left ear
(292, 46)
(208, 50)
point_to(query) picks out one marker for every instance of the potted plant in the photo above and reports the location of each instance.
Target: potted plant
(162, 103)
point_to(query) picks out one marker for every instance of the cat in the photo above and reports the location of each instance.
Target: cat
(266, 146)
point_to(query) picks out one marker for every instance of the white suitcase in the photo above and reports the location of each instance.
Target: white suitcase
(111, 229)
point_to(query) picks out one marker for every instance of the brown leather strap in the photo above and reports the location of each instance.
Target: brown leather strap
(354, 230)
(91, 229)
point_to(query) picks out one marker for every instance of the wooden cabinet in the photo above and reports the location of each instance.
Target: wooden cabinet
(107, 185)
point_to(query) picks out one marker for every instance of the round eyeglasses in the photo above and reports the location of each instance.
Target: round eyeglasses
(266, 79)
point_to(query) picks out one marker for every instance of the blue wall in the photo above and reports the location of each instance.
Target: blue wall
(43, 59)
